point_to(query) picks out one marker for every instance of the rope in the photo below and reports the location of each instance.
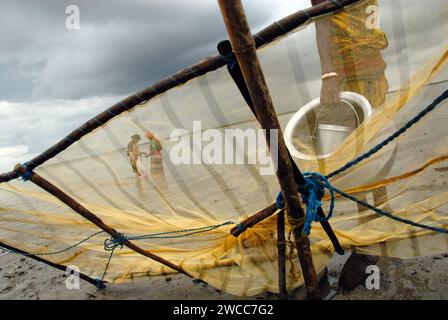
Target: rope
(99, 283)
(229, 59)
(121, 239)
(314, 188)
(54, 252)
(27, 175)
(281, 27)
(394, 136)
(307, 14)
(240, 227)
(312, 193)
(388, 214)
(337, 3)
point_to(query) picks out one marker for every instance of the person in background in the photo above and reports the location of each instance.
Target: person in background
(155, 151)
(349, 45)
(133, 152)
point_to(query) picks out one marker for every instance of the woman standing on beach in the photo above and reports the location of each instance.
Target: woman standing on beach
(155, 152)
(133, 152)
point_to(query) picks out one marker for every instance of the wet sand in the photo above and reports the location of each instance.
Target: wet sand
(23, 278)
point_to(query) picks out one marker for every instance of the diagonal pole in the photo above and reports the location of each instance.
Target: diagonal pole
(244, 49)
(225, 49)
(78, 208)
(83, 276)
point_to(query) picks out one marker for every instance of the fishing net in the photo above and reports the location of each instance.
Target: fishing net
(127, 177)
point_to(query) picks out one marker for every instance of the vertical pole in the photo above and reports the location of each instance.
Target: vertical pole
(281, 249)
(244, 49)
(225, 49)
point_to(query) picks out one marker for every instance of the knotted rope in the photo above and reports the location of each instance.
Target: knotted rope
(314, 188)
(27, 175)
(119, 241)
(312, 193)
(230, 60)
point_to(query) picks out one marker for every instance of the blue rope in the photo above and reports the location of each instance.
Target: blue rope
(315, 185)
(229, 59)
(312, 193)
(388, 214)
(99, 283)
(337, 3)
(257, 36)
(280, 25)
(119, 241)
(27, 175)
(394, 136)
(54, 252)
(240, 227)
(307, 14)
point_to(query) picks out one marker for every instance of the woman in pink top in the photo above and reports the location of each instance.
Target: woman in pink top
(155, 151)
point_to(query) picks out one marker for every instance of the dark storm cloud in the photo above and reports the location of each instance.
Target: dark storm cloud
(122, 46)
(53, 79)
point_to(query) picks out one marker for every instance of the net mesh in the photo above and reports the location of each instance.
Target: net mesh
(123, 177)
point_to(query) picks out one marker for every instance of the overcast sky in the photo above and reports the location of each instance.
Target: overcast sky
(53, 79)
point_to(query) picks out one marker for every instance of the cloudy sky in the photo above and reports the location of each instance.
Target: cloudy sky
(53, 79)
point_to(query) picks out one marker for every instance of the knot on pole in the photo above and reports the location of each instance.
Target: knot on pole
(27, 174)
(312, 193)
(99, 283)
(115, 242)
(229, 59)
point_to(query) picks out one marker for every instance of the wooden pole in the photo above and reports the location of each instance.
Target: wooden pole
(225, 49)
(244, 49)
(281, 249)
(78, 208)
(254, 219)
(52, 264)
(263, 37)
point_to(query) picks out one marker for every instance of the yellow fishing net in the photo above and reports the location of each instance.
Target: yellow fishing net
(127, 177)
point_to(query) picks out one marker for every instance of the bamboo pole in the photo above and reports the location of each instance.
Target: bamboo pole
(225, 49)
(51, 264)
(244, 48)
(264, 37)
(281, 249)
(253, 220)
(78, 208)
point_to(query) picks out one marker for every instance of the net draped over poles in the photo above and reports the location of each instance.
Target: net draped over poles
(125, 175)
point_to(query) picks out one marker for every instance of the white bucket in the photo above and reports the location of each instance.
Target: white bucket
(328, 136)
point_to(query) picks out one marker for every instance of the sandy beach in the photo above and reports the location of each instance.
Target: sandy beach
(412, 279)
